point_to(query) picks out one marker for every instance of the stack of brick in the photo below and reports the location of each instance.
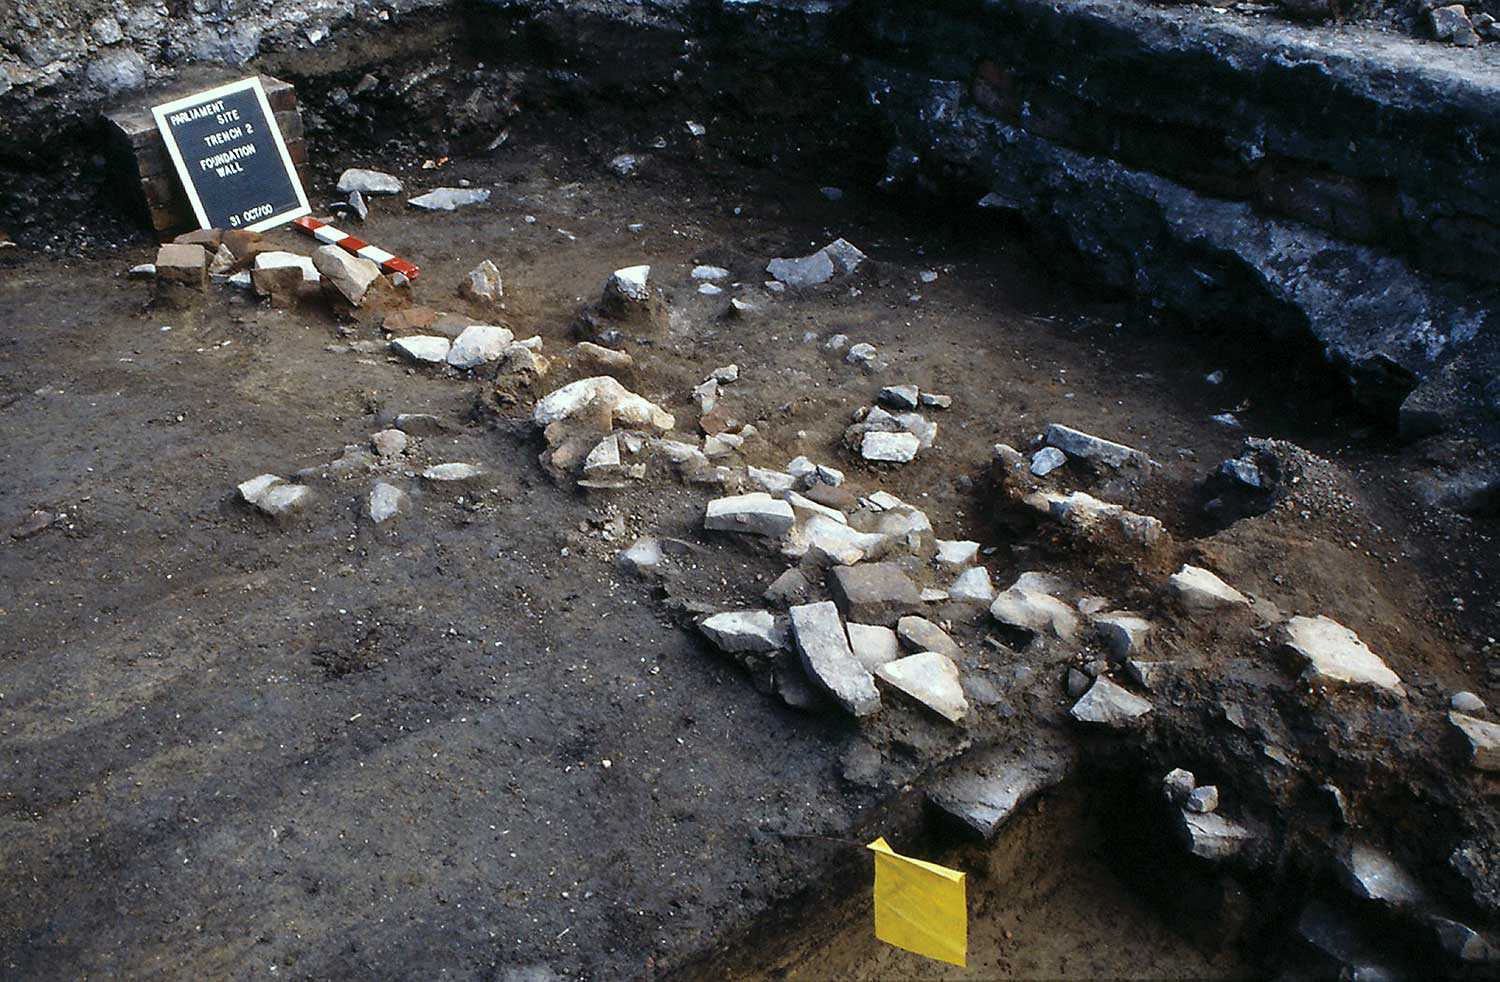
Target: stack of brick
(146, 178)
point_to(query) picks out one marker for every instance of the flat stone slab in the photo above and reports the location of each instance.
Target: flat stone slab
(1333, 653)
(1198, 589)
(957, 552)
(746, 630)
(430, 349)
(351, 275)
(756, 513)
(1109, 705)
(1482, 738)
(449, 199)
(602, 393)
(453, 473)
(875, 593)
(479, 344)
(973, 586)
(828, 660)
(931, 678)
(1076, 443)
(985, 789)
(890, 448)
(368, 182)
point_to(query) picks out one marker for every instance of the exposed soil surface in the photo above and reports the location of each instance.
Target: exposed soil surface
(466, 743)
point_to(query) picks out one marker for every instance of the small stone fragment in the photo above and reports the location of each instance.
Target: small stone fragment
(920, 634)
(1466, 702)
(1027, 607)
(182, 263)
(1124, 632)
(1451, 23)
(386, 501)
(630, 283)
(389, 443)
(453, 473)
(643, 558)
(973, 586)
(934, 401)
(1482, 739)
(1199, 590)
(1202, 799)
(483, 284)
(351, 275)
(900, 396)
(1212, 836)
(789, 588)
(1047, 460)
(952, 552)
(1373, 875)
(1107, 704)
(873, 645)
(479, 344)
(710, 273)
(1178, 784)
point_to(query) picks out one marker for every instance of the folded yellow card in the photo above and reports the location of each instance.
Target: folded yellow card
(920, 906)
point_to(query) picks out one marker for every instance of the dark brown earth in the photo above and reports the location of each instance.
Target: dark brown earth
(331, 750)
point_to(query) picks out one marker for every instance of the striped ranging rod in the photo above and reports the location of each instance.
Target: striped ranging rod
(324, 232)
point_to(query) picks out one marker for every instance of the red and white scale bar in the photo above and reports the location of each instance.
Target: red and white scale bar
(324, 232)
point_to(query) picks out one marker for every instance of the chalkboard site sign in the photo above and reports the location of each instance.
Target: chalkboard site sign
(232, 160)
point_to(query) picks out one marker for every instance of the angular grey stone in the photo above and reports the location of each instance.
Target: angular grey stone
(1198, 589)
(351, 275)
(1451, 23)
(803, 272)
(1466, 702)
(1178, 784)
(983, 790)
(756, 513)
(931, 678)
(710, 273)
(1333, 653)
(1076, 443)
(973, 586)
(449, 199)
(484, 283)
(953, 552)
(1462, 943)
(789, 588)
(386, 502)
(479, 344)
(643, 558)
(389, 443)
(862, 353)
(774, 482)
(624, 165)
(845, 255)
(875, 593)
(1149, 675)
(420, 424)
(1482, 739)
(1027, 608)
(1202, 799)
(1047, 460)
(1107, 704)
(873, 645)
(828, 659)
(1125, 632)
(368, 182)
(1077, 683)
(631, 284)
(1212, 836)
(430, 349)
(934, 401)
(1373, 875)
(900, 396)
(920, 634)
(593, 394)
(453, 473)
(604, 456)
(746, 630)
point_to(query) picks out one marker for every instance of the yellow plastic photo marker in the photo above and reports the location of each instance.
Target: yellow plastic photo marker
(920, 906)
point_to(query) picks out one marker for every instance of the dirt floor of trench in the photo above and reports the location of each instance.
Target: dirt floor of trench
(467, 743)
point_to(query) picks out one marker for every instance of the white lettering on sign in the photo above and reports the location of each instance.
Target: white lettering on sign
(224, 164)
(198, 112)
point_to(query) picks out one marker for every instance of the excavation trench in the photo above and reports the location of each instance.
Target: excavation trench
(472, 744)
